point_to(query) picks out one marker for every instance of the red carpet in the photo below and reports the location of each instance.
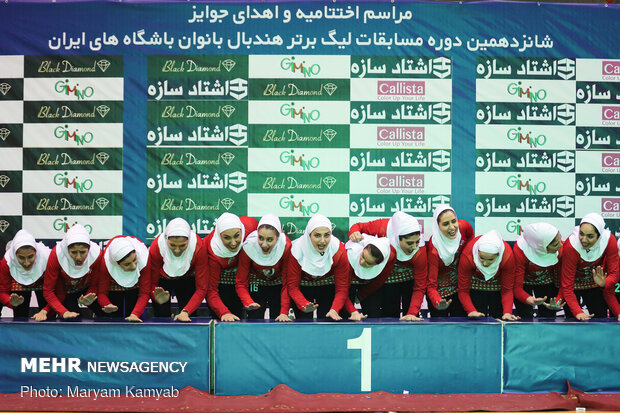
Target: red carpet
(284, 399)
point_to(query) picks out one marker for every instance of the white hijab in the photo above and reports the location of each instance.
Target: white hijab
(177, 266)
(23, 238)
(225, 222)
(311, 261)
(355, 249)
(491, 243)
(76, 234)
(446, 247)
(534, 241)
(118, 249)
(599, 247)
(403, 224)
(255, 252)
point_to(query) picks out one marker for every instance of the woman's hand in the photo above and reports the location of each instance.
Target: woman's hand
(69, 314)
(309, 307)
(252, 307)
(161, 296)
(40, 316)
(357, 316)
(443, 304)
(283, 318)
(133, 318)
(599, 276)
(510, 317)
(533, 301)
(86, 300)
(229, 317)
(584, 316)
(356, 236)
(412, 317)
(183, 316)
(554, 305)
(475, 314)
(333, 314)
(16, 300)
(110, 308)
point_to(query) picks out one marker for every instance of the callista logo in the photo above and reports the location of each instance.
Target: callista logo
(306, 209)
(63, 225)
(65, 88)
(610, 205)
(401, 133)
(307, 70)
(611, 112)
(516, 134)
(611, 67)
(532, 95)
(514, 227)
(63, 132)
(307, 164)
(405, 181)
(62, 179)
(307, 116)
(514, 181)
(401, 88)
(610, 160)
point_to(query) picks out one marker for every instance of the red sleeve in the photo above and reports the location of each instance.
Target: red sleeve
(342, 280)
(5, 284)
(104, 285)
(420, 280)
(466, 230)
(376, 228)
(213, 292)
(380, 279)
(349, 307)
(611, 268)
(521, 262)
(243, 278)
(432, 258)
(156, 263)
(53, 285)
(293, 280)
(93, 286)
(467, 267)
(200, 266)
(144, 292)
(285, 300)
(570, 258)
(507, 278)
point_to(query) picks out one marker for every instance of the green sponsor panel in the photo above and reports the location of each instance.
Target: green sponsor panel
(184, 178)
(367, 112)
(598, 92)
(11, 89)
(204, 87)
(85, 158)
(11, 135)
(525, 160)
(300, 136)
(73, 66)
(298, 182)
(556, 206)
(401, 67)
(72, 204)
(364, 205)
(203, 66)
(294, 227)
(196, 159)
(10, 181)
(300, 89)
(525, 113)
(430, 160)
(525, 68)
(9, 225)
(73, 112)
(597, 138)
(597, 184)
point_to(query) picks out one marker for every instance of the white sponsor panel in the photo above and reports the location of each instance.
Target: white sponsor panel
(299, 66)
(289, 159)
(74, 89)
(11, 67)
(298, 205)
(400, 183)
(607, 206)
(598, 114)
(525, 90)
(11, 159)
(73, 182)
(55, 227)
(10, 203)
(425, 222)
(535, 137)
(509, 227)
(392, 136)
(596, 70)
(12, 111)
(598, 162)
(525, 183)
(401, 89)
(73, 135)
(298, 112)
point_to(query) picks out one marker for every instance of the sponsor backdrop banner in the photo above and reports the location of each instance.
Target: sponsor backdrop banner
(123, 116)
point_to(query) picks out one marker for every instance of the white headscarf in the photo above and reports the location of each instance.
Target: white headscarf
(355, 249)
(255, 252)
(491, 243)
(595, 252)
(446, 247)
(403, 224)
(225, 222)
(118, 249)
(177, 266)
(23, 238)
(311, 261)
(76, 234)
(534, 241)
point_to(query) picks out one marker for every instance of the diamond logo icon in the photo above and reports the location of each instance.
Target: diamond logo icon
(4, 133)
(102, 157)
(330, 134)
(228, 110)
(227, 203)
(103, 65)
(4, 225)
(103, 110)
(329, 181)
(102, 203)
(228, 157)
(229, 64)
(4, 180)
(4, 88)
(330, 88)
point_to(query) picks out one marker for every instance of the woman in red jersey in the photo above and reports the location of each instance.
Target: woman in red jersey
(262, 264)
